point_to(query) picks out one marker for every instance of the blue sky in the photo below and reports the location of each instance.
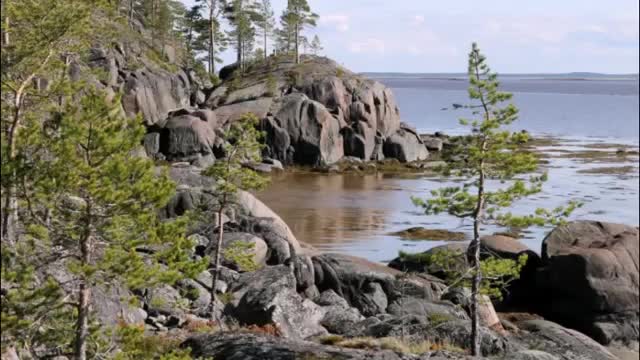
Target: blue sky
(541, 36)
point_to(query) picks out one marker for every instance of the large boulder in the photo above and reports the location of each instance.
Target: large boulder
(419, 328)
(314, 133)
(505, 247)
(184, 136)
(378, 104)
(154, 93)
(331, 92)
(427, 309)
(563, 343)
(232, 112)
(269, 297)
(242, 243)
(590, 279)
(370, 287)
(405, 146)
(278, 231)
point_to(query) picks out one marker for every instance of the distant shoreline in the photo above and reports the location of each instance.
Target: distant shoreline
(515, 77)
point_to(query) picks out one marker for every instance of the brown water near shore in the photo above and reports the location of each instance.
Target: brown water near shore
(356, 213)
(323, 209)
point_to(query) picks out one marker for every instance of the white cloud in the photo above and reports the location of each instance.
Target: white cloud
(369, 45)
(414, 50)
(417, 20)
(339, 21)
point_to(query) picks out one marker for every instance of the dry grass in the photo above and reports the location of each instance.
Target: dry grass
(199, 326)
(268, 329)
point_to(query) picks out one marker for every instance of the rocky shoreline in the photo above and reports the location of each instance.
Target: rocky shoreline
(303, 304)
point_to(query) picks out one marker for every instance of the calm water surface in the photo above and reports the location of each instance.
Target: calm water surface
(355, 213)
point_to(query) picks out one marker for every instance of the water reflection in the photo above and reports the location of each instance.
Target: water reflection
(354, 214)
(325, 209)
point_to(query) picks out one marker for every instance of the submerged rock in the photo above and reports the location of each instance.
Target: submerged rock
(420, 233)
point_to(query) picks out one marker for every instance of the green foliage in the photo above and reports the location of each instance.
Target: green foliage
(339, 72)
(161, 60)
(111, 194)
(241, 253)
(492, 152)
(92, 202)
(316, 45)
(294, 77)
(272, 85)
(135, 344)
(242, 146)
(33, 316)
(226, 298)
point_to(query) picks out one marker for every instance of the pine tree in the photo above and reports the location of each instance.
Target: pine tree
(43, 33)
(214, 8)
(298, 16)
(285, 34)
(101, 205)
(243, 146)
(316, 45)
(266, 24)
(492, 152)
(242, 16)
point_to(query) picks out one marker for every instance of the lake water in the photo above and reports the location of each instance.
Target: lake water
(354, 214)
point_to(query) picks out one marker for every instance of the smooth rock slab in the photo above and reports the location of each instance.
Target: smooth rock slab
(250, 346)
(268, 296)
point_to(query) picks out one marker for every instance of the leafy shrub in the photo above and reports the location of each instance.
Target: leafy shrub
(272, 85)
(241, 254)
(135, 345)
(294, 78)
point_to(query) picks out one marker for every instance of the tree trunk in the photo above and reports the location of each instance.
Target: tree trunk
(212, 34)
(475, 289)
(10, 202)
(84, 299)
(216, 264)
(131, 13)
(266, 28)
(5, 31)
(82, 326)
(239, 50)
(477, 273)
(297, 40)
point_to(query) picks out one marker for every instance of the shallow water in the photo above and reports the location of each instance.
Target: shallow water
(354, 214)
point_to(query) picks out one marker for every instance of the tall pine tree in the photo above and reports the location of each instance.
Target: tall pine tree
(96, 205)
(266, 24)
(493, 153)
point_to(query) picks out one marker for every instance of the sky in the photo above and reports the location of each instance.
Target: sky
(517, 36)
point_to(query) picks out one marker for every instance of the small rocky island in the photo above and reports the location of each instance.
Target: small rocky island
(577, 300)
(314, 114)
